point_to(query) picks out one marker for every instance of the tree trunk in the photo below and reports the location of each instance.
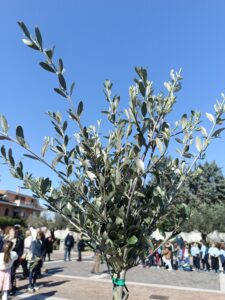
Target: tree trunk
(120, 291)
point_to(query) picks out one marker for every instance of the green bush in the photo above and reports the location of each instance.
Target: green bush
(9, 221)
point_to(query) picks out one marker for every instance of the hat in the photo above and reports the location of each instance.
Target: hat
(17, 226)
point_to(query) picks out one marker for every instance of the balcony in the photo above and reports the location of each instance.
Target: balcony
(25, 204)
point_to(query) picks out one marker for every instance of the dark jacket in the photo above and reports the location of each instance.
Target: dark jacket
(49, 244)
(69, 241)
(19, 246)
(81, 245)
(1, 243)
(38, 248)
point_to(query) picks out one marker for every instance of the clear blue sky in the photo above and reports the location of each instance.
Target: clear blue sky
(101, 40)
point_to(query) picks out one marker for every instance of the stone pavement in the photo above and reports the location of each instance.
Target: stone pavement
(73, 281)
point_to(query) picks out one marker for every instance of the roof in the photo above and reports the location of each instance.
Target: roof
(15, 193)
(22, 205)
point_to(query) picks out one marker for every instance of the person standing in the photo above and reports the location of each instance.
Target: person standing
(26, 253)
(179, 241)
(195, 252)
(69, 244)
(7, 258)
(1, 239)
(38, 251)
(80, 247)
(49, 241)
(214, 253)
(167, 256)
(222, 257)
(204, 252)
(186, 254)
(18, 245)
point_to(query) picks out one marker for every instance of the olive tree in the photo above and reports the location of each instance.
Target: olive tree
(111, 188)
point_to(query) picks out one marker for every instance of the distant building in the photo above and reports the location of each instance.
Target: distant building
(15, 204)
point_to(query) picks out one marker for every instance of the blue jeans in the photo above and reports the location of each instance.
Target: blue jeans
(67, 253)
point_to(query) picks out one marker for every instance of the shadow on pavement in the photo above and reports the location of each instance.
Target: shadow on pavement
(53, 283)
(41, 296)
(54, 270)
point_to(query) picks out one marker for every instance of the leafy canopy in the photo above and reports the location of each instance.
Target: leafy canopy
(112, 188)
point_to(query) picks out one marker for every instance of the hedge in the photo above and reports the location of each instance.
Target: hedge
(10, 221)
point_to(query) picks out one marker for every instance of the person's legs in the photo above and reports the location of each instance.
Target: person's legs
(194, 262)
(4, 295)
(66, 253)
(216, 264)
(212, 263)
(13, 276)
(25, 269)
(69, 256)
(207, 265)
(79, 255)
(168, 263)
(198, 263)
(223, 265)
(203, 263)
(5, 283)
(30, 286)
(49, 256)
(36, 271)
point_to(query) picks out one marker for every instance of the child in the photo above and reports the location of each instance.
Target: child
(178, 254)
(167, 256)
(222, 257)
(7, 258)
(150, 260)
(205, 256)
(186, 255)
(214, 253)
(195, 252)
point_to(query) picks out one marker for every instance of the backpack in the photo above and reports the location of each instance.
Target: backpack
(187, 267)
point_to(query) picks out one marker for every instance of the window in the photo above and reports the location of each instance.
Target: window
(6, 212)
(15, 214)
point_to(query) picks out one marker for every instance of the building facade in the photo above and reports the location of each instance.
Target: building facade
(15, 204)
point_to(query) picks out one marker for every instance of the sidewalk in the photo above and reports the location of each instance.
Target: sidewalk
(56, 288)
(73, 281)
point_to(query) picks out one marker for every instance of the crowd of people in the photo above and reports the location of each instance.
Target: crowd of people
(17, 249)
(180, 255)
(21, 249)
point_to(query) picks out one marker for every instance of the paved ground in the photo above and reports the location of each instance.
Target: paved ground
(73, 281)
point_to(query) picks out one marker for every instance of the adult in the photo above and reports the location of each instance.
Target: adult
(1, 240)
(26, 254)
(49, 241)
(69, 244)
(80, 247)
(38, 251)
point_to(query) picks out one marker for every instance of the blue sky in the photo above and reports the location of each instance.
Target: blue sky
(101, 40)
